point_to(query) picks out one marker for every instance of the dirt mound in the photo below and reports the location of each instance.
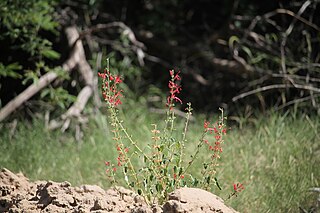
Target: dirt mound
(18, 194)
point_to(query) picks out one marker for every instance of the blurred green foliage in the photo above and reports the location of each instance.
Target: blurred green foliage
(182, 35)
(22, 23)
(276, 157)
(26, 27)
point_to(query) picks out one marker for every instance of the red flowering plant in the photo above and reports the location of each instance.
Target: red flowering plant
(164, 164)
(237, 188)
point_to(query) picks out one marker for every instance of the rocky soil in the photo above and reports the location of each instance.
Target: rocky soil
(18, 194)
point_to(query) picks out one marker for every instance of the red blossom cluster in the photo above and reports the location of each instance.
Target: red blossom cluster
(218, 132)
(174, 89)
(121, 159)
(121, 155)
(110, 91)
(107, 163)
(175, 176)
(238, 187)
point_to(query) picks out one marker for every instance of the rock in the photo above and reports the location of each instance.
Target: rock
(141, 210)
(92, 188)
(195, 200)
(100, 204)
(18, 194)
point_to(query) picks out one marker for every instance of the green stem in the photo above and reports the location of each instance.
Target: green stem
(154, 170)
(196, 153)
(184, 134)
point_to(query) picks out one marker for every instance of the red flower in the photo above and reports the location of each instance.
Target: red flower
(174, 176)
(119, 160)
(217, 137)
(110, 91)
(118, 80)
(177, 77)
(206, 124)
(177, 99)
(235, 187)
(174, 89)
(107, 163)
(238, 187)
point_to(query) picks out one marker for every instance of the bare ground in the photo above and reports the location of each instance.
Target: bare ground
(18, 194)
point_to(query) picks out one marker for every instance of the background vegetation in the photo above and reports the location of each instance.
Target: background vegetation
(276, 157)
(258, 60)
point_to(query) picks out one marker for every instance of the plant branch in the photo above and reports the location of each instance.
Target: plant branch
(275, 86)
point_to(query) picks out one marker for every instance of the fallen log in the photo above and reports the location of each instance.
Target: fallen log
(77, 60)
(44, 81)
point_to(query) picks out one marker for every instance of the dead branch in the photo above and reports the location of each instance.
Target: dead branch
(275, 86)
(26, 95)
(126, 30)
(137, 47)
(91, 85)
(255, 91)
(296, 101)
(232, 66)
(76, 59)
(42, 83)
(268, 15)
(292, 76)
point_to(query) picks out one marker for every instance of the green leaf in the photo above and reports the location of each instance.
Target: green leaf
(44, 93)
(172, 183)
(61, 73)
(139, 192)
(208, 178)
(233, 40)
(61, 104)
(10, 70)
(30, 75)
(248, 51)
(159, 187)
(164, 171)
(151, 177)
(175, 169)
(217, 183)
(205, 165)
(180, 171)
(178, 146)
(195, 182)
(50, 54)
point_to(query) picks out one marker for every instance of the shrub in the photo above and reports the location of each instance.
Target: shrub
(165, 165)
